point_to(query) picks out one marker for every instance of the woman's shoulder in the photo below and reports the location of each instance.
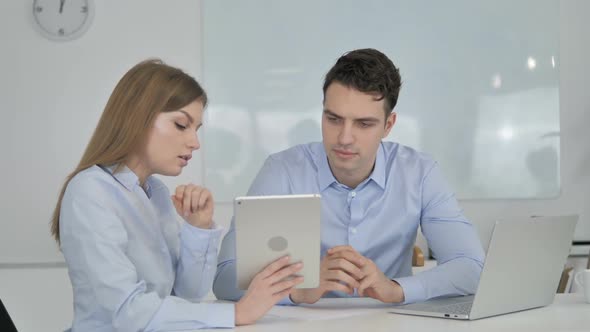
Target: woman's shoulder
(92, 182)
(93, 176)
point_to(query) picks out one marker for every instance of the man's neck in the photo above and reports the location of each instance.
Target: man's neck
(354, 178)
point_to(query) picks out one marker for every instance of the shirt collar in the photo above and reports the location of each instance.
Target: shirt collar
(326, 178)
(127, 178)
(378, 174)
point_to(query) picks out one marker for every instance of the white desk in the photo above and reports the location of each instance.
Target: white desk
(569, 312)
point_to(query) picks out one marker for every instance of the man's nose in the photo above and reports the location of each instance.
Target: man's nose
(346, 136)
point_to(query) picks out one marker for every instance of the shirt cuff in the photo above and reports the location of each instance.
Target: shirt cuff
(413, 289)
(199, 239)
(222, 315)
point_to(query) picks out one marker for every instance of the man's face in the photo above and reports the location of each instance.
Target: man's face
(353, 125)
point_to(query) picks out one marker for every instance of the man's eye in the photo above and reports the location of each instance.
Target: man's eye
(179, 126)
(366, 124)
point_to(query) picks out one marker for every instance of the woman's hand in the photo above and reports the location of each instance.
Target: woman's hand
(194, 204)
(267, 288)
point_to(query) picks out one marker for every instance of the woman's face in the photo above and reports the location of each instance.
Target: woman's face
(171, 141)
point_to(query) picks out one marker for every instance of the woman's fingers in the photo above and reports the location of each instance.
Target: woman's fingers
(285, 272)
(274, 267)
(191, 198)
(285, 285)
(196, 194)
(186, 199)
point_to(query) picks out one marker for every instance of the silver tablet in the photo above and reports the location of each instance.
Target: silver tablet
(269, 227)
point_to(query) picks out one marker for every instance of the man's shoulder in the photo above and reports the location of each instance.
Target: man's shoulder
(406, 156)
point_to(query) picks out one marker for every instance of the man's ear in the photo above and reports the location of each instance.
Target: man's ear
(389, 122)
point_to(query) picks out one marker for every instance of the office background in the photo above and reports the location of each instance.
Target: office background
(52, 94)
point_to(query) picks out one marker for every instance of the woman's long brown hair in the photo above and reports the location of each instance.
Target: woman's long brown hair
(147, 89)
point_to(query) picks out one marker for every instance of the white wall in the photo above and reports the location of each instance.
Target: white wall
(575, 136)
(53, 93)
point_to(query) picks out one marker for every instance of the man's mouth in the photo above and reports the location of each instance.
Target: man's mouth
(344, 153)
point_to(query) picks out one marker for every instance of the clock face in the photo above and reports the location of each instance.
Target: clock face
(62, 19)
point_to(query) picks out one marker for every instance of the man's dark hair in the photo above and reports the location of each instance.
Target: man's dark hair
(370, 71)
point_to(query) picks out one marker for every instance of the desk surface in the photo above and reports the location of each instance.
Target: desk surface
(569, 312)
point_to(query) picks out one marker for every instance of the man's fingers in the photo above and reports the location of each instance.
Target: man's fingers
(336, 286)
(341, 276)
(364, 284)
(353, 257)
(336, 249)
(345, 265)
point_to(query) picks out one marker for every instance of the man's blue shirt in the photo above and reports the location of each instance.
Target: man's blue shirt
(379, 218)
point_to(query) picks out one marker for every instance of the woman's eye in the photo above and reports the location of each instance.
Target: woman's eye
(179, 126)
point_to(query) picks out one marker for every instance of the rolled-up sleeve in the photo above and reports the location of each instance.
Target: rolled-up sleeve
(454, 243)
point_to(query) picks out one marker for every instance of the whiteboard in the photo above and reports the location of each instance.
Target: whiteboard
(480, 85)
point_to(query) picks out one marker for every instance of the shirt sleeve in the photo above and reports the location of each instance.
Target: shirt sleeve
(453, 240)
(272, 179)
(197, 262)
(94, 241)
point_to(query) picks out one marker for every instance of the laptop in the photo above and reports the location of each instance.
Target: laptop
(521, 271)
(269, 227)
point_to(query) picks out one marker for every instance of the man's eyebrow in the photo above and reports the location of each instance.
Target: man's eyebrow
(367, 119)
(330, 113)
(190, 118)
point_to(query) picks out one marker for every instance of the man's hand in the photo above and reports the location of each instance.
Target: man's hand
(372, 282)
(336, 274)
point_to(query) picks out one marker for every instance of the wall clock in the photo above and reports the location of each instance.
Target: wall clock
(62, 20)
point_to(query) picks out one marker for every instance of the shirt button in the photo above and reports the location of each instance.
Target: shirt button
(353, 194)
(353, 230)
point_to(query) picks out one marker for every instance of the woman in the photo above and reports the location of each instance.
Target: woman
(133, 263)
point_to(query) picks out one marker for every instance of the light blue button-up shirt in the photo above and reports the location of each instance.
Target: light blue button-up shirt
(133, 263)
(379, 218)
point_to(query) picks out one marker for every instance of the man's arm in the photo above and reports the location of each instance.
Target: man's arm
(453, 240)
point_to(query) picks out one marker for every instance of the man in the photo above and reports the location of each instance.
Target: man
(375, 194)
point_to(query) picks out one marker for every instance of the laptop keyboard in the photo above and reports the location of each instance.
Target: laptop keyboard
(456, 308)
(462, 308)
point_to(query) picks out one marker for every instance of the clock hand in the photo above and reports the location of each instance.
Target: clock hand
(61, 5)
